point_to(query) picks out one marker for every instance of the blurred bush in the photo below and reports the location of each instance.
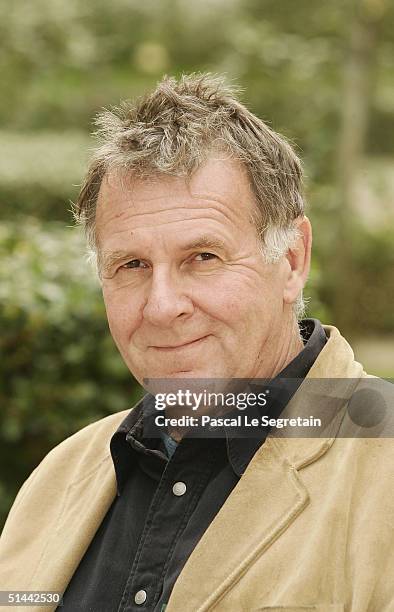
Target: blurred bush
(40, 172)
(59, 367)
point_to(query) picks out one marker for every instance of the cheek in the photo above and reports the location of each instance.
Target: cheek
(122, 314)
(244, 314)
(218, 302)
(233, 313)
(234, 300)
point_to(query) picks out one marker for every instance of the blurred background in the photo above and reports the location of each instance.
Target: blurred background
(321, 73)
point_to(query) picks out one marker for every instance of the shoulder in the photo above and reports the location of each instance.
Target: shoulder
(95, 436)
(77, 455)
(91, 443)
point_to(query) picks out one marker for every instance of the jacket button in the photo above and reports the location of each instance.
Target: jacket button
(140, 597)
(179, 488)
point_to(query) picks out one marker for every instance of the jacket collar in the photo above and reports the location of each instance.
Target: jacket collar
(328, 386)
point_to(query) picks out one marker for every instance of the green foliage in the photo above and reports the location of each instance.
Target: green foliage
(40, 173)
(372, 281)
(59, 367)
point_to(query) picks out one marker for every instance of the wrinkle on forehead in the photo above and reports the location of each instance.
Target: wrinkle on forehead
(220, 187)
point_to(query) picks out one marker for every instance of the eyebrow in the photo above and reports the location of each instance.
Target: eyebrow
(202, 242)
(106, 260)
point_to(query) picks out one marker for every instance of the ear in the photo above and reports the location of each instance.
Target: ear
(299, 260)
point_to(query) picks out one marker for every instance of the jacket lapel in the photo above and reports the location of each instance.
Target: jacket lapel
(263, 505)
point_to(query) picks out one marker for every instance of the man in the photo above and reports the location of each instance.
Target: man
(193, 209)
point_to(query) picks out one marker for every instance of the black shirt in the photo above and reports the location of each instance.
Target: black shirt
(164, 504)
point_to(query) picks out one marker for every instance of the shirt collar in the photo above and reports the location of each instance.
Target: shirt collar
(127, 440)
(239, 450)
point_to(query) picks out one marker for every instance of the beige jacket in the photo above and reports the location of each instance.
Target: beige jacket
(309, 526)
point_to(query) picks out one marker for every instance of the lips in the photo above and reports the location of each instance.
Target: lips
(172, 347)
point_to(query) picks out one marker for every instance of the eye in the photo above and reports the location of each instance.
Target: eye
(205, 256)
(134, 263)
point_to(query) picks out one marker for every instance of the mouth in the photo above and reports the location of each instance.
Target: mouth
(176, 347)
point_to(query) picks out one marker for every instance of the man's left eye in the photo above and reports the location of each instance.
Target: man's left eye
(205, 256)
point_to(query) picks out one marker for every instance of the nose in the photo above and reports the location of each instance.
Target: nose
(166, 300)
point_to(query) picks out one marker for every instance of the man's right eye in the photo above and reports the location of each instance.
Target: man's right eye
(134, 263)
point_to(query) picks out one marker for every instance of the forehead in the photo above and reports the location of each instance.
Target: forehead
(219, 190)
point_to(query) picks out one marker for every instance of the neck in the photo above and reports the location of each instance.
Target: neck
(289, 344)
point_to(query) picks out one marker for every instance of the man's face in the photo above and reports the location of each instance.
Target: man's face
(185, 287)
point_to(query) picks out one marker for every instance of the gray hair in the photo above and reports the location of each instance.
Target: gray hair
(173, 131)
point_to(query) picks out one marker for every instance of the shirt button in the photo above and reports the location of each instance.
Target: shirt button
(179, 488)
(140, 597)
